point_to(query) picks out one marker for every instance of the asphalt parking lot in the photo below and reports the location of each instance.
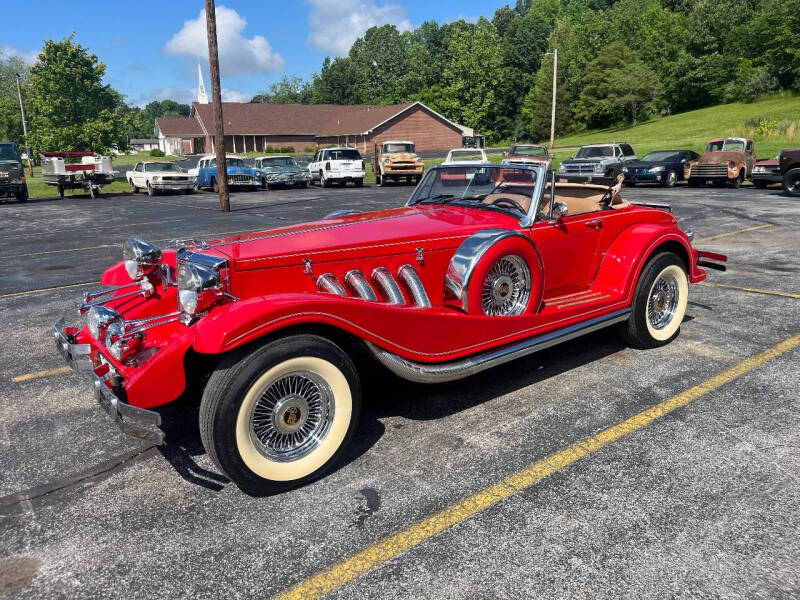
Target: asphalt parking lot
(703, 501)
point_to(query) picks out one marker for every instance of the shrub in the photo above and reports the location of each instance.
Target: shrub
(308, 150)
(288, 149)
(766, 127)
(784, 126)
(753, 122)
(156, 152)
(269, 150)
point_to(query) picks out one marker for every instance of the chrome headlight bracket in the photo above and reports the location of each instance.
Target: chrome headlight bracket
(202, 281)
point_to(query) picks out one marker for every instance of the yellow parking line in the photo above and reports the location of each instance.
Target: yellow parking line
(49, 289)
(738, 231)
(37, 374)
(402, 541)
(725, 286)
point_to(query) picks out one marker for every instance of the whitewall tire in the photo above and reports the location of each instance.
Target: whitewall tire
(279, 415)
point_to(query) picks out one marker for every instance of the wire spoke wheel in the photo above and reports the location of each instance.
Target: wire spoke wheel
(292, 416)
(663, 301)
(506, 287)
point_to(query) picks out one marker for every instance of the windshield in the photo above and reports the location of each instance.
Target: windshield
(159, 167)
(529, 150)
(8, 153)
(595, 152)
(501, 188)
(234, 162)
(663, 156)
(278, 161)
(728, 145)
(344, 155)
(398, 147)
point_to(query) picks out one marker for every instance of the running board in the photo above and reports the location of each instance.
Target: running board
(458, 369)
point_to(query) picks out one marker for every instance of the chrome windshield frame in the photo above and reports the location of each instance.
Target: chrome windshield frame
(538, 188)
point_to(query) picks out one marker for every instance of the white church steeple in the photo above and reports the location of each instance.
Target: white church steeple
(201, 88)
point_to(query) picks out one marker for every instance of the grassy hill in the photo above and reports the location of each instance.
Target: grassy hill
(692, 130)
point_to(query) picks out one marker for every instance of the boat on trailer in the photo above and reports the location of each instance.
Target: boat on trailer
(76, 171)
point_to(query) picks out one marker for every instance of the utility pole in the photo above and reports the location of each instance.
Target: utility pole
(216, 100)
(553, 115)
(24, 125)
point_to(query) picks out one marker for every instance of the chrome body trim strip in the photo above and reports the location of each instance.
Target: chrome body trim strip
(450, 371)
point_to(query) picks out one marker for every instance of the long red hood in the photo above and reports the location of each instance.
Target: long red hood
(369, 234)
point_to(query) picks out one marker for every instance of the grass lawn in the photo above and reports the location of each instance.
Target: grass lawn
(692, 130)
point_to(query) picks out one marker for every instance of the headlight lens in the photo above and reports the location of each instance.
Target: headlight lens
(732, 165)
(656, 169)
(99, 319)
(140, 257)
(598, 168)
(156, 177)
(562, 169)
(386, 161)
(198, 287)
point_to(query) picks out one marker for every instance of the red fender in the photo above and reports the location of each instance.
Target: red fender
(629, 252)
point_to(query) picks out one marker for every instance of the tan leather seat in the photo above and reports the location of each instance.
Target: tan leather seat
(583, 198)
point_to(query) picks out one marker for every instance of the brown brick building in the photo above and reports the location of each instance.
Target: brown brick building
(253, 127)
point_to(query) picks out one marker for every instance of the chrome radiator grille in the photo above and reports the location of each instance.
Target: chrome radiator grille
(709, 171)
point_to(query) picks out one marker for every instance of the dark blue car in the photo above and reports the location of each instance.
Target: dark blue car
(663, 167)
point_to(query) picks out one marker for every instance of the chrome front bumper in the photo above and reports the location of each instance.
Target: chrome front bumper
(138, 422)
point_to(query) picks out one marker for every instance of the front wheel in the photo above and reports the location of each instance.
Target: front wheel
(791, 182)
(659, 303)
(278, 416)
(150, 190)
(670, 179)
(736, 182)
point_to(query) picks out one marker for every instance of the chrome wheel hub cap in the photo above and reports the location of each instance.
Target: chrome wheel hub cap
(506, 287)
(292, 416)
(663, 302)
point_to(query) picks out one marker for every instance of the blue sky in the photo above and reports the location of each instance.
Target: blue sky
(151, 49)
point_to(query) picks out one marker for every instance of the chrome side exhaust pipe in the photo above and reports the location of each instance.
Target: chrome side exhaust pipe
(410, 277)
(356, 281)
(382, 277)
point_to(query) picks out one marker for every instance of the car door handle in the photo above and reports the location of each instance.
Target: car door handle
(595, 223)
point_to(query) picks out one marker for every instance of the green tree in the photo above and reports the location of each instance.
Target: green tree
(10, 117)
(619, 88)
(473, 60)
(336, 83)
(289, 90)
(70, 107)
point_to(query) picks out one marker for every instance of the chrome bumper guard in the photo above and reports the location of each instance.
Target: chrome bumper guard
(138, 422)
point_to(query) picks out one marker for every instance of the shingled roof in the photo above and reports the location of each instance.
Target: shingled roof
(303, 119)
(179, 126)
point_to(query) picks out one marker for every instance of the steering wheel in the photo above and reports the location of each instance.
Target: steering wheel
(509, 202)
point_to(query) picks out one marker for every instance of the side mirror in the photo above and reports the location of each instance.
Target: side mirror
(560, 210)
(571, 157)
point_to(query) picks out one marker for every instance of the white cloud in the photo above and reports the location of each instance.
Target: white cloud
(8, 50)
(234, 96)
(238, 55)
(334, 26)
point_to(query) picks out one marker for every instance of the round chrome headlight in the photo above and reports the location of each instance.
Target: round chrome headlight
(139, 257)
(99, 319)
(197, 287)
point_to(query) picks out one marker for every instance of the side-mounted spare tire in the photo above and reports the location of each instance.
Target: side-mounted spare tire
(659, 303)
(279, 415)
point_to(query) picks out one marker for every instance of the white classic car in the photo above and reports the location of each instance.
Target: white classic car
(157, 177)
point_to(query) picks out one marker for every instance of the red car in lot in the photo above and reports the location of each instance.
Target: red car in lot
(273, 326)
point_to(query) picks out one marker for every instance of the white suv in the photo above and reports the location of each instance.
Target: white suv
(337, 164)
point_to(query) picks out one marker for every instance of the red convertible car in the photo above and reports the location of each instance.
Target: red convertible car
(465, 276)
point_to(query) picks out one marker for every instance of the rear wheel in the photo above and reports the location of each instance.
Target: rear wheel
(281, 415)
(760, 184)
(358, 182)
(791, 182)
(659, 303)
(134, 189)
(214, 185)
